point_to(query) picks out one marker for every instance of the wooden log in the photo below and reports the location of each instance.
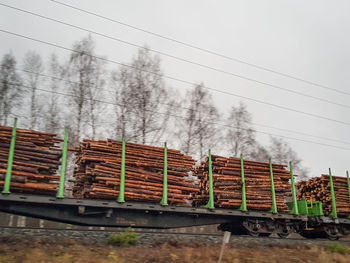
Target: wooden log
(100, 162)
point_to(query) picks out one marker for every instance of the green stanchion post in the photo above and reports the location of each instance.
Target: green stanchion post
(164, 200)
(122, 175)
(334, 206)
(273, 194)
(243, 206)
(210, 203)
(6, 189)
(294, 210)
(60, 193)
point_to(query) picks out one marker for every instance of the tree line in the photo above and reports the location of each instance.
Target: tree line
(82, 93)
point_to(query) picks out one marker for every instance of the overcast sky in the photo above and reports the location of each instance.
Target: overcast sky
(306, 39)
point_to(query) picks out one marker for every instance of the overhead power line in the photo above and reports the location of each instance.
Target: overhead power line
(255, 124)
(86, 122)
(179, 58)
(202, 49)
(90, 31)
(181, 80)
(181, 117)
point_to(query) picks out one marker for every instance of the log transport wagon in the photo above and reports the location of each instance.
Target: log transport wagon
(304, 217)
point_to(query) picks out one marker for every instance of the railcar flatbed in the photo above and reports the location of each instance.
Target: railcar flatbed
(113, 214)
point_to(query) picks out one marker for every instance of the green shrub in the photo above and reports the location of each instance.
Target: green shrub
(337, 248)
(127, 238)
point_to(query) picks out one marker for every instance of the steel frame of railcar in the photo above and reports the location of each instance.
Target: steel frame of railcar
(113, 214)
(110, 213)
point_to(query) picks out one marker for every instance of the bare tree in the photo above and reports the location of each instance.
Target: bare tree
(94, 94)
(32, 64)
(282, 153)
(260, 153)
(240, 134)
(11, 92)
(188, 133)
(122, 108)
(198, 131)
(83, 70)
(140, 96)
(53, 111)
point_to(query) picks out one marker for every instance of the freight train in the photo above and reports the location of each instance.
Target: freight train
(305, 218)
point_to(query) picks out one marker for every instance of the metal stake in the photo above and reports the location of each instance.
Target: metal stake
(60, 193)
(273, 194)
(122, 175)
(164, 200)
(294, 210)
(334, 206)
(243, 206)
(7, 182)
(210, 203)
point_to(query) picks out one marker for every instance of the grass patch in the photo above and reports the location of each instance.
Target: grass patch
(337, 248)
(129, 237)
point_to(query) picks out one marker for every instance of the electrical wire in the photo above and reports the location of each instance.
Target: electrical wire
(262, 125)
(179, 58)
(202, 49)
(181, 80)
(181, 117)
(18, 116)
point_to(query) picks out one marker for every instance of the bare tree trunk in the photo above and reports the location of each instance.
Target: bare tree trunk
(188, 141)
(53, 111)
(82, 68)
(33, 116)
(140, 95)
(11, 92)
(240, 134)
(80, 110)
(143, 128)
(282, 153)
(93, 125)
(123, 125)
(32, 65)
(6, 111)
(201, 146)
(198, 129)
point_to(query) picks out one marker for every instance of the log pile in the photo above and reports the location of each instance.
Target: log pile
(228, 187)
(319, 189)
(98, 164)
(36, 161)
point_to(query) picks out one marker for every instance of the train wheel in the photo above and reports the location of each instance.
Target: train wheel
(331, 232)
(283, 234)
(284, 231)
(252, 228)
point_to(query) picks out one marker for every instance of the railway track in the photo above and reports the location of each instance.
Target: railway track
(107, 230)
(157, 236)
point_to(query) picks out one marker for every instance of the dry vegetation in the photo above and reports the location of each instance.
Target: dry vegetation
(37, 251)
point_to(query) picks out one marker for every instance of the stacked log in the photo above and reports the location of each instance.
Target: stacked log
(228, 187)
(98, 169)
(319, 189)
(35, 163)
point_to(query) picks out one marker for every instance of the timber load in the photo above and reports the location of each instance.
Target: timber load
(319, 189)
(98, 172)
(35, 162)
(227, 184)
